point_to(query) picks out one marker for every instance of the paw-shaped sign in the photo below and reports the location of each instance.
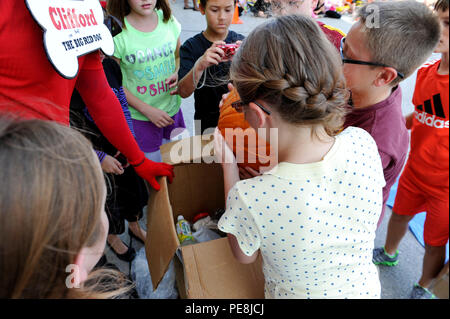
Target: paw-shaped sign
(72, 28)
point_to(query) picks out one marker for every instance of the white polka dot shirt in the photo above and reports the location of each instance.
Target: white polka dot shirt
(315, 223)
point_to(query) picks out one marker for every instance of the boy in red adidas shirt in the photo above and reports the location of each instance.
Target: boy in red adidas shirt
(424, 183)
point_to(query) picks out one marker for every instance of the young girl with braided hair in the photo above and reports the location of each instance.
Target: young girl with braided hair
(313, 216)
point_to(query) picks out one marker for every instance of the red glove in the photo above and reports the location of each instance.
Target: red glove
(148, 170)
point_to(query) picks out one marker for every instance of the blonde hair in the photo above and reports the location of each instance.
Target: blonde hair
(401, 34)
(50, 208)
(290, 64)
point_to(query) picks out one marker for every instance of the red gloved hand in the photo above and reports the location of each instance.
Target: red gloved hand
(149, 170)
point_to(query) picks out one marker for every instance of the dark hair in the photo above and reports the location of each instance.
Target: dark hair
(204, 2)
(291, 65)
(120, 9)
(441, 5)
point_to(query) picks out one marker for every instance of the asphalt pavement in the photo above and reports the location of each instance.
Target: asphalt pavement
(396, 282)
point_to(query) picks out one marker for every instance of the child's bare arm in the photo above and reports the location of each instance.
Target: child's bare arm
(237, 252)
(212, 56)
(408, 120)
(172, 80)
(224, 155)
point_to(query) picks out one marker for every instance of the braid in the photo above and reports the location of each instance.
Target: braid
(296, 71)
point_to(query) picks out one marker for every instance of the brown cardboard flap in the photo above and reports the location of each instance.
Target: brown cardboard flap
(212, 272)
(196, 188)
(162, 241)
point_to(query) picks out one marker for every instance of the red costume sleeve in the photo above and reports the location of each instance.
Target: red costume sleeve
(107, 113)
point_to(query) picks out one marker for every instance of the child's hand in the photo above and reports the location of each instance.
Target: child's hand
(158, 117)
(247, 172)
(120, 157)
(111, 165)
(173, 82)
(225, 96)
(213, 56)
(222, 152)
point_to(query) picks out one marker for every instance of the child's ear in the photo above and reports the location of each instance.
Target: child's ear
(260, 115)
(386, 76)
(80, 274)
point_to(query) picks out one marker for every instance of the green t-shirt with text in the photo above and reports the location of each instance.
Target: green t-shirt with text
(147, 59)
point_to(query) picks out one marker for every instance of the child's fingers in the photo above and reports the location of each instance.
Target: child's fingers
(224, 97)
(117, 168)
(217, 43)
(214, 58)
(118, 171)
(243, 174)
(163, 122)
(173, 79)
(173, 84)
(252, 172)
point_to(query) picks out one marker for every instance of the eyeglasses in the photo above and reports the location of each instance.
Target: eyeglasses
(239, 107)
(350, 61)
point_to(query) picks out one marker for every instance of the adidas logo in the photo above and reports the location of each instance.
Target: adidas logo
(428, 117)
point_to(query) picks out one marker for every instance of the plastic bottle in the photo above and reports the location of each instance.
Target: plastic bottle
(184, 232)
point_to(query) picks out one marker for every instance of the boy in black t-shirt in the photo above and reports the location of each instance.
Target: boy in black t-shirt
(204, 67)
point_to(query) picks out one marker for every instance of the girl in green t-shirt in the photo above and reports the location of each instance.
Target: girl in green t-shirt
(147, 50)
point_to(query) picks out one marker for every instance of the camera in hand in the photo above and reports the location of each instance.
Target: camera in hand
(229, 49)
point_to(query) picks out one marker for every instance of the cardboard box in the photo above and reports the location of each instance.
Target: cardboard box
(209, 269)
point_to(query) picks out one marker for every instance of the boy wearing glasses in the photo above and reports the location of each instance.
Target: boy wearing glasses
(388, 42)
(424, 184)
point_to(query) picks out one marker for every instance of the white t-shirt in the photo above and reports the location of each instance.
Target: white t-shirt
(314, 223)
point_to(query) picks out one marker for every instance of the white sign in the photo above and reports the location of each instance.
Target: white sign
(72, 28)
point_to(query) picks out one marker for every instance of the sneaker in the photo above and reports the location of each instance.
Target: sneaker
(420, 292)
(381, 257)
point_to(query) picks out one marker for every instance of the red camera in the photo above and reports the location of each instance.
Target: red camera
(229, 49)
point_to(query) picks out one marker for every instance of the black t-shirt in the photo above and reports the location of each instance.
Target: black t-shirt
(208, 97)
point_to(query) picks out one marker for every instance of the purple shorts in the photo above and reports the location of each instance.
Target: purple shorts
(149, 136)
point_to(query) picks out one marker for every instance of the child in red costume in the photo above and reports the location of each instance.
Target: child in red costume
(31, 88)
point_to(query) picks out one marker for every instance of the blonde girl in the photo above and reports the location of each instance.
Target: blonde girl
(53, 226)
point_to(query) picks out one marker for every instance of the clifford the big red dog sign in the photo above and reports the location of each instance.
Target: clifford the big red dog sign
(72, 28)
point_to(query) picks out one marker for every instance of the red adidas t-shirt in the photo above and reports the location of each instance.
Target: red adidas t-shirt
(428, 162)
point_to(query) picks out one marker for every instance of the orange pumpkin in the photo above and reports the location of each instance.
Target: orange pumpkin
(249, 149)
